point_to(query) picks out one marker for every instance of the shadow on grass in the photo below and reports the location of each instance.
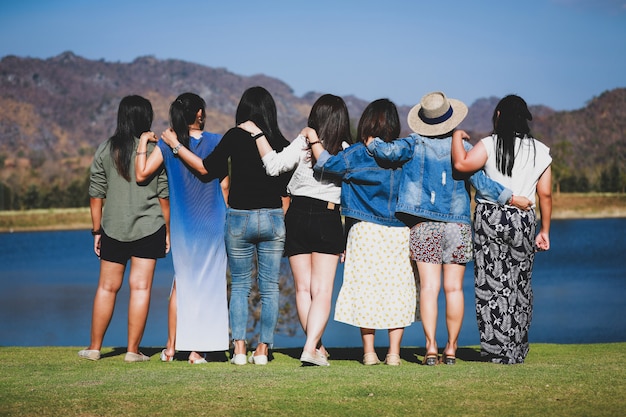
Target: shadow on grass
(413, 355)
(409, 354)
(179, 356)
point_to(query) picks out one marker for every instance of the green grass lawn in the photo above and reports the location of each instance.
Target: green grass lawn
(556, 380)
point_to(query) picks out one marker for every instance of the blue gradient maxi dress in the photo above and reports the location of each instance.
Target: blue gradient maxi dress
(197, 218)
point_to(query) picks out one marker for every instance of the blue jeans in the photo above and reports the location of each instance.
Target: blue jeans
(260, 231)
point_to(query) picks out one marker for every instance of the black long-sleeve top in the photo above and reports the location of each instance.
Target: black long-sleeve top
(250, 187)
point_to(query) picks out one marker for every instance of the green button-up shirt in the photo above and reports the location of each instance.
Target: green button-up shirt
(131, 211)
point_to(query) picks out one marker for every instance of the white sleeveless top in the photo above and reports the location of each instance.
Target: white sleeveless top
(531, 160)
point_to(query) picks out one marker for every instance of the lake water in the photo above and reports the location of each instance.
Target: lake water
(48, 280)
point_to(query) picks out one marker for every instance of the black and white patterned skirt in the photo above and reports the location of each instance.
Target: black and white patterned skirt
(504, 252)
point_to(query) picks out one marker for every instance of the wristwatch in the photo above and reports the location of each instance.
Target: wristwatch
(175, 150)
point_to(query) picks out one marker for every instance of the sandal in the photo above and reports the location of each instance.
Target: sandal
(392, 359)
(165, 357)
(370, 358)
(431, 359)
(448, 359)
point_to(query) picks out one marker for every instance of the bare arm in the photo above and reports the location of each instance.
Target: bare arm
(464, 161)
(165, 208)
(95, 206)
(145, 167)
(225, 184)
(192, 160)
(544, 191)
(285, 203)
(275, 163)
(313, 140)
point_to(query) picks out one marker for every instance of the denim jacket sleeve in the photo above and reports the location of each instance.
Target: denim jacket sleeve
(331, 164)
(400, 150)
(488, 189)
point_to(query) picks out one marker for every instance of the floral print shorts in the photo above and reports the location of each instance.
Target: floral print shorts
(441, 243)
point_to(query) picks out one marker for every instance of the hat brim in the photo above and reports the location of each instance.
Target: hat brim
(417, 125)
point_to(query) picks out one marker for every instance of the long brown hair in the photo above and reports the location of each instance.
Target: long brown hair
(329, 117)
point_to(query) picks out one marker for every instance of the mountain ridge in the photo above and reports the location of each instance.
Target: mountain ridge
(56, 111)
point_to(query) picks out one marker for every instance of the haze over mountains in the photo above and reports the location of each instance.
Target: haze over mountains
(55, 112)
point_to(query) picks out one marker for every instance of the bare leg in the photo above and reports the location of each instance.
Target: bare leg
(140, 281)
(301, 268)
(110, 282)
(367, 336)
(170, 347)
(239, 347)
(395, 339)
(369, 354)
(324, 267)
(430, 284)
(261, 350)
(453, 288)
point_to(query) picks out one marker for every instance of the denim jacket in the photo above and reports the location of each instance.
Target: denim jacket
(429, 189)
(369, 191)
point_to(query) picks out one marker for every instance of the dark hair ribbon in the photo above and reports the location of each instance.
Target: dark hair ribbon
(435, 120)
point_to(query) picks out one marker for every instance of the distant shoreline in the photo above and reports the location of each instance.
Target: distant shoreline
(564, 206)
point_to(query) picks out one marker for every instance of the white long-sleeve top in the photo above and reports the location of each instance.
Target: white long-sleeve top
(304, 182)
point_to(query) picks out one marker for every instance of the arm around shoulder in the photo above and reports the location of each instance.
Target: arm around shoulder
(192, 160)
(399, 150)
(286, 160)
(146, 166)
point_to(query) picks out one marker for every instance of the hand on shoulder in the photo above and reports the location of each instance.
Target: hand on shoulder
(169, 137)
(250, 127)
(460, 134)
(149, 136)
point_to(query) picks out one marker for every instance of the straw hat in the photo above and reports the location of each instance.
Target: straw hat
(436, 115)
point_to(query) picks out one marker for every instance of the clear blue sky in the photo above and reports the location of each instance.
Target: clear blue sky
(560, 53)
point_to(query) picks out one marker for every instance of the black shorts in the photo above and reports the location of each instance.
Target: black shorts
(149, 247)
(313, 226)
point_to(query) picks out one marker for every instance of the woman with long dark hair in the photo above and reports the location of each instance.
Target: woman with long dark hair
(198, 310)
(378, 290)
(254, 219)
(504, 236)
(130, 225)
(314, 239)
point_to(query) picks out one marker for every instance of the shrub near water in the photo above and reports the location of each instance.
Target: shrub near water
(557, 380)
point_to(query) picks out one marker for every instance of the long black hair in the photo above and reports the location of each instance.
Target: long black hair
(134, 117)
(258, 105)
(183, 113)
(329, 117)
(510, 120)
(379, 119)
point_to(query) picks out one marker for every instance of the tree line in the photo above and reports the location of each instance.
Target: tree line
(43, 196)
(612, 179)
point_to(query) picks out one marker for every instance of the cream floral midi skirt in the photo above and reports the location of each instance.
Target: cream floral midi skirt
(378, 290)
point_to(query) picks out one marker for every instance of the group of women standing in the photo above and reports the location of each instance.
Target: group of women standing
(407, 219)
